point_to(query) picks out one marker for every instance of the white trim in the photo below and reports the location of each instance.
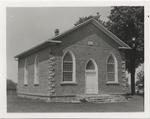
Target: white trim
(36, 70)
(68, 83)
(25, 76)
(116, 69)
(96, 70)
(74, 66)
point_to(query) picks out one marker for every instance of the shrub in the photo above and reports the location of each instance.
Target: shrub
(140, 82)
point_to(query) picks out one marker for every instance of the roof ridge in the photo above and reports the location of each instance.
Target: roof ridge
(104, 29)
(69, 30)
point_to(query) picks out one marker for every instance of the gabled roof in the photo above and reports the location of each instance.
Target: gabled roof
(99, 26)
(54, 40)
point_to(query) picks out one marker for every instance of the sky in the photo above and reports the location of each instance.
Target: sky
(27, 27)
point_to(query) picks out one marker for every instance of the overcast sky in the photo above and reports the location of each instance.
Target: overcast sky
(27, 27)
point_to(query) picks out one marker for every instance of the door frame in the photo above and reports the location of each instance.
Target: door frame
(96, 68)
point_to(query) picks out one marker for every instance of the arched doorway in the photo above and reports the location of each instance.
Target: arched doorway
(91, 77)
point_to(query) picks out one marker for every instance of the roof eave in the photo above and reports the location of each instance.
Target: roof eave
(38, 46)
(125, 48)
(110, 34)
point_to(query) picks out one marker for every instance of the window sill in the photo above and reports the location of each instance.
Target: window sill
(112, 83)
(36, 84)
(68, 83)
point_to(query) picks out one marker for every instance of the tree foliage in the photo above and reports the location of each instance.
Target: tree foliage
(140, 77)
(85, 18)
(128, 23)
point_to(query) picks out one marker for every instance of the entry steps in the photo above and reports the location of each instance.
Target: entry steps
(103, 98)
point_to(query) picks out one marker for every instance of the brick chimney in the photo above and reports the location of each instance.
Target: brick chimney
(56, 32)
(97, 15)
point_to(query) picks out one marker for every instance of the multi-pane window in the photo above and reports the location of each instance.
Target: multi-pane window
(36, 71)
(25, 73)
(68, 67)
(111, 69)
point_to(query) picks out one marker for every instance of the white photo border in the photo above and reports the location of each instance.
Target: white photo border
(73, 3)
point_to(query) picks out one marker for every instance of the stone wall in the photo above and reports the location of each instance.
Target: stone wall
(51, 77)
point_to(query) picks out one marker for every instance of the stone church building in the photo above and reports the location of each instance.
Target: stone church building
(85, 61)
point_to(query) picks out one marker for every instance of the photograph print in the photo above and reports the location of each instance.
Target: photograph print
(75, 59)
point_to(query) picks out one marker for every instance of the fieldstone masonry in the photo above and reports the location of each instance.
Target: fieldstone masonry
(124, 79)
(51, 68)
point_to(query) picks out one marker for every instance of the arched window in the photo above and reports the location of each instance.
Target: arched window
(112, 69)
(25, 73)
(68, 67)
(36, 71)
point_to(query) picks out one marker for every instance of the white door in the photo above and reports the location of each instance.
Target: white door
(91, 78)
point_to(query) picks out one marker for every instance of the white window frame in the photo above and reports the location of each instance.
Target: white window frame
(36, 70)
(25, 72)
(74, 68)
(116, 70)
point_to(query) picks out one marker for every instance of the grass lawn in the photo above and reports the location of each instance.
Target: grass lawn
(16, 104)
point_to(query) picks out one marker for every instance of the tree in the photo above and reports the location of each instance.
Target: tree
(140, 77)
(140, 82)
(128, 24)
(83, 19)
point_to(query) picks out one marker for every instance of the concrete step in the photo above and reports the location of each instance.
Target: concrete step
(102, 98)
